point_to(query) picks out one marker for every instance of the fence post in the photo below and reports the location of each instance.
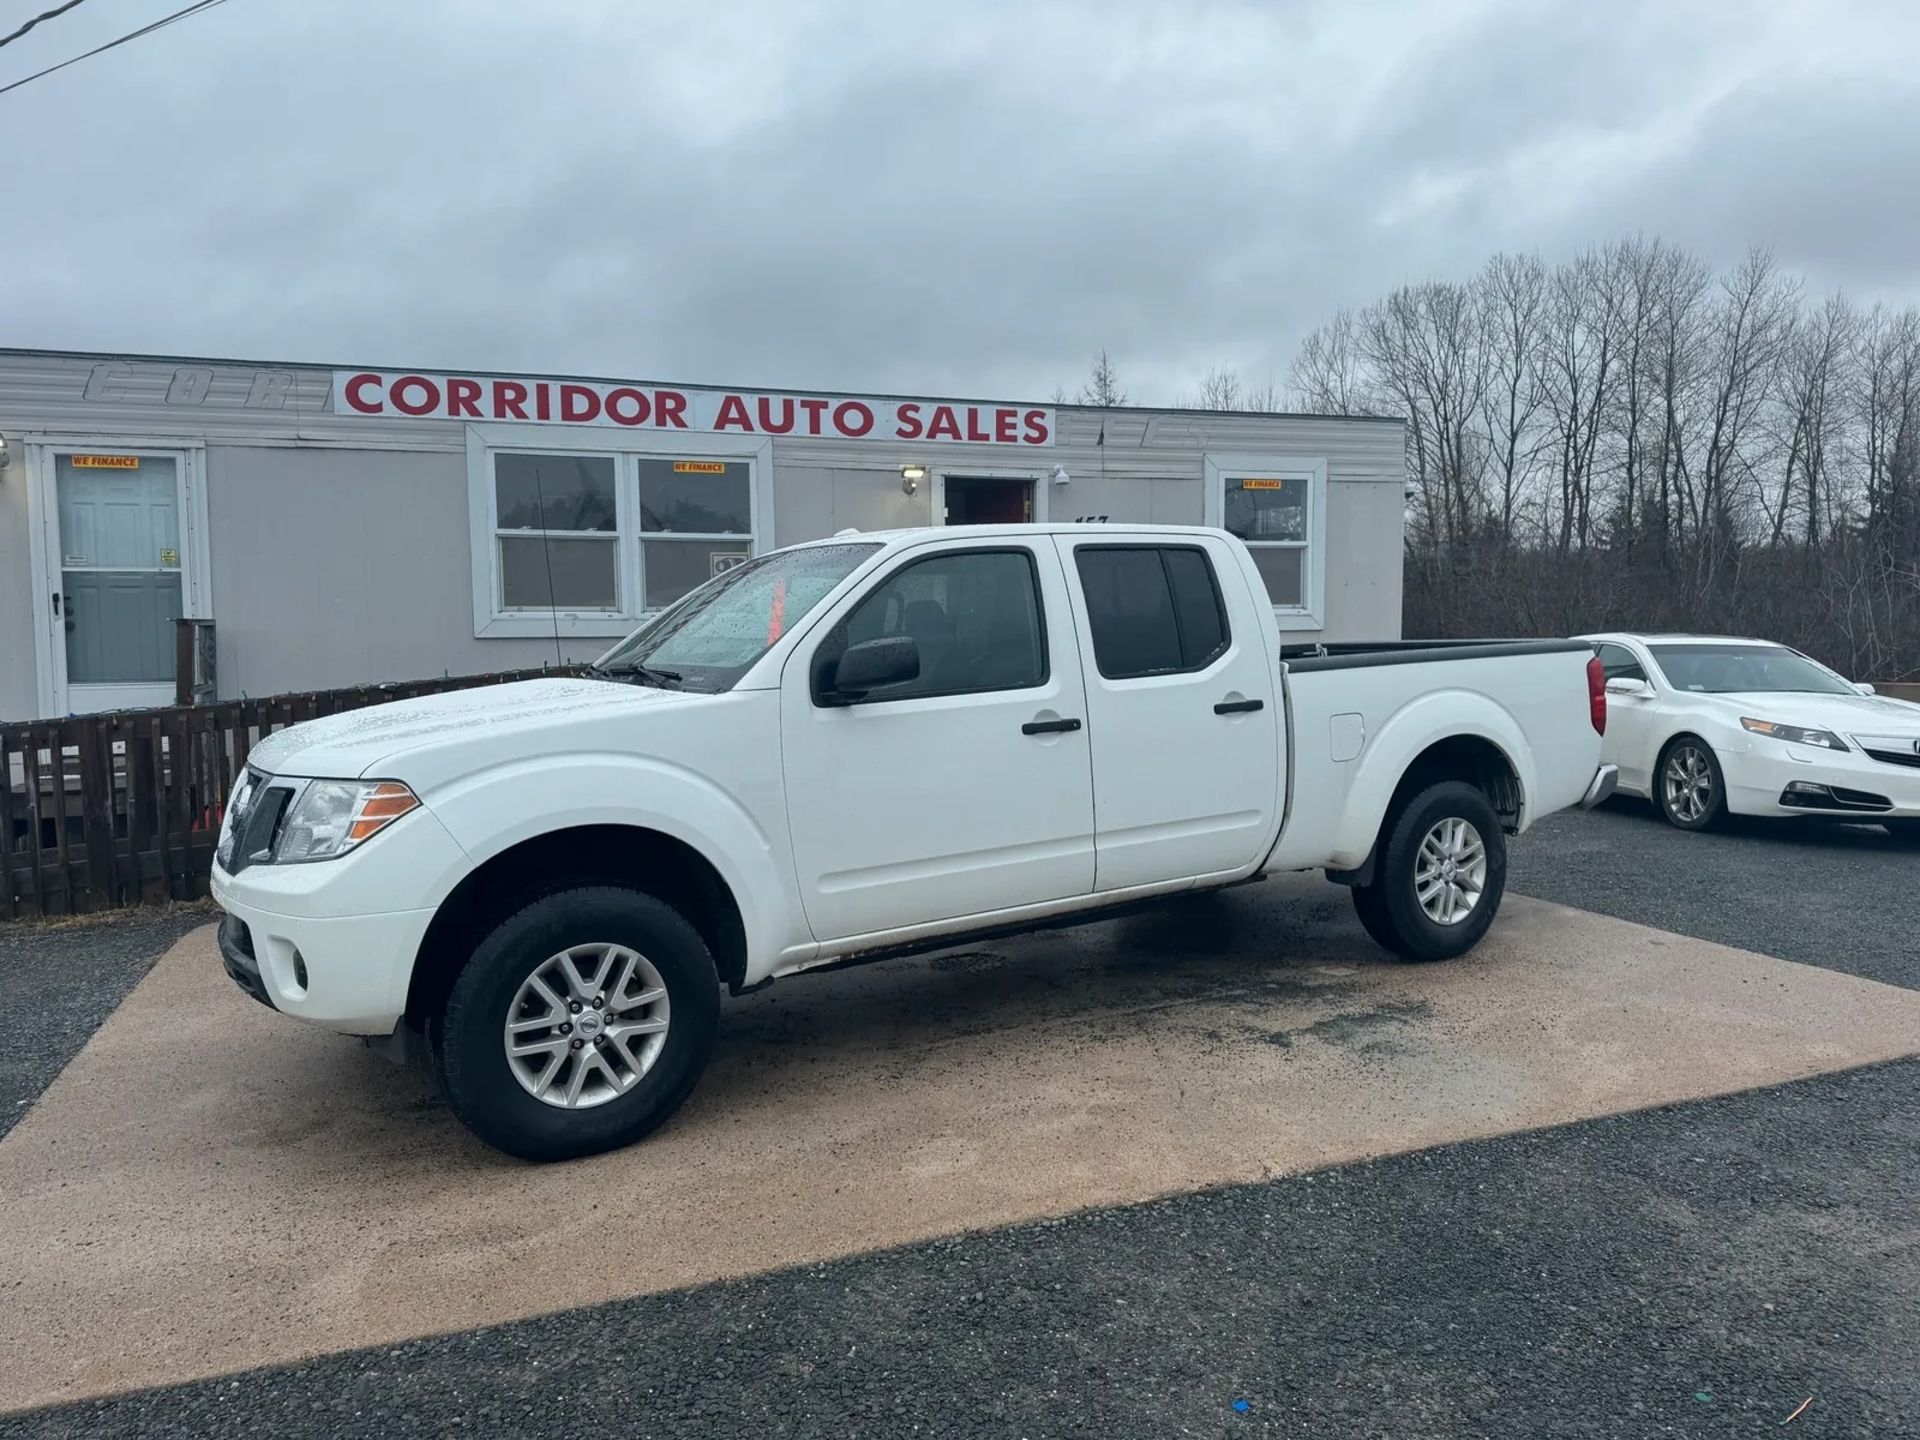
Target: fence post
(96, 811)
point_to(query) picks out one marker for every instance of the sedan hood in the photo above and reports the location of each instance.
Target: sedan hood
(369, 742)
(1842, 714)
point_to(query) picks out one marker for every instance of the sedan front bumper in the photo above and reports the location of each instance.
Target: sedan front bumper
(1782, 779)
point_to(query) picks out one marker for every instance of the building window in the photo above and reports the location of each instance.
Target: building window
(1277, 506)
(557, 530)
(587, 542)
(696, 519)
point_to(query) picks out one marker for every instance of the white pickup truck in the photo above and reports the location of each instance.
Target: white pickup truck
(865, 746)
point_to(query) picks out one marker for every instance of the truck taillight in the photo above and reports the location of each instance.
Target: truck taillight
(1597, 695)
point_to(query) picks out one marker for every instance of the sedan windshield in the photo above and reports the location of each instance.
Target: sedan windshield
(708, 639)
(1745, 669)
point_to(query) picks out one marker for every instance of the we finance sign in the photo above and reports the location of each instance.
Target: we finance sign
(708, 412)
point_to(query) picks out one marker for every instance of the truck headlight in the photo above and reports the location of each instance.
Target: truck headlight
(1793, 734)
(331, 817)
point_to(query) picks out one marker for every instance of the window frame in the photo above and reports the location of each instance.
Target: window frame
(1638, 664)
(1159, 550)
(492, 620)
(1311, 612)
(816, 677)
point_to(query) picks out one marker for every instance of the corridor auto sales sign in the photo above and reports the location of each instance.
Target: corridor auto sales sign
(665, 408)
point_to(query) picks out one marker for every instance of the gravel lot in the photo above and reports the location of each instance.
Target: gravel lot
(60, 979)
(1694, 1271)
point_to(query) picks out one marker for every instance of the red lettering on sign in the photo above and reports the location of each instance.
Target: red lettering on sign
(852, 418)
(944, 425)
(461, 395)
(975, 431)
(733, 415)
(426, 387)
(1036, 427)
(509, 398)
(579, 405)
(542, 400)
(815, 409)
(909, 418)
(638, 407)
(768, 423)
(1006, 425)
(670, 408)
(354, 396)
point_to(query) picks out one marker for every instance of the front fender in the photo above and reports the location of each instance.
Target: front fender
(1410, 731)
(492, 810)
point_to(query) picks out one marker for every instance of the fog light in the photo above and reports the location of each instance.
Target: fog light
(1806, 787)
(299, 970)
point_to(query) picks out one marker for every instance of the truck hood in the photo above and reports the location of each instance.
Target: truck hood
(1842, 714)
(370, 742)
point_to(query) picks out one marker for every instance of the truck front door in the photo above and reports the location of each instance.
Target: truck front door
(964, 790)
(1181, 705)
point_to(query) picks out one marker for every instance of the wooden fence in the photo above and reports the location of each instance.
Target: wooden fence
(98, 811)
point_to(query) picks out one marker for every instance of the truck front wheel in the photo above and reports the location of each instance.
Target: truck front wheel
(1440, 874)
(580, 1023)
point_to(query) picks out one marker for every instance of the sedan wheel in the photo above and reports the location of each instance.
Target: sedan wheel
(1690, 788)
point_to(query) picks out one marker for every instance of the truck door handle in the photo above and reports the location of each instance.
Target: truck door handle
(1238, 707)
(1049, 727)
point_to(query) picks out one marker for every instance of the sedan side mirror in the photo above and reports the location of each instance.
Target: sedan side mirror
(890, 660)
(1627, 685)
(1864, 688)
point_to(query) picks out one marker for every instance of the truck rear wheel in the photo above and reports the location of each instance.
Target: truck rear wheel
(580, 1023)
(1440, 873)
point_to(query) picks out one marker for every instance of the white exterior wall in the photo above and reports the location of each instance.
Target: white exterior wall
(339, 545)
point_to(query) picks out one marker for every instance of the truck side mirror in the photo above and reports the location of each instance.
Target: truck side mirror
(890, 660)
(1627, 685)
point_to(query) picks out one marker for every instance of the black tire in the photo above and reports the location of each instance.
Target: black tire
(1905, 831)
(1716, 800)
(1390, 907)
(467, 1031)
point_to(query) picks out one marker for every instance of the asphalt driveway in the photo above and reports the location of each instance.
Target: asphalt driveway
(1695, 1269)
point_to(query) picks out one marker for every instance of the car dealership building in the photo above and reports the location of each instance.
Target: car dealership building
(342, 525)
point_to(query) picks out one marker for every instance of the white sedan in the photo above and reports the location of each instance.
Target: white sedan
(1704, 725)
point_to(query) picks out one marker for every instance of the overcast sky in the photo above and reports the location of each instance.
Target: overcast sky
(954, 197)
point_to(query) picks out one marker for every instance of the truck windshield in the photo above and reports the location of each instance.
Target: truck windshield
(1745, 669)
(710, 637)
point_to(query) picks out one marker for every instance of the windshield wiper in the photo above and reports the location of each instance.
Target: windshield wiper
(645, 674)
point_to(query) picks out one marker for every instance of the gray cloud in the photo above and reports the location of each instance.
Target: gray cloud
(970, 198)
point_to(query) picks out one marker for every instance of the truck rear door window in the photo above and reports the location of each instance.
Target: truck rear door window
(1153, 609)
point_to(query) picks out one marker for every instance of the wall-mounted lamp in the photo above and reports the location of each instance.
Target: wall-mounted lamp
(910, 478)
(1060, 476)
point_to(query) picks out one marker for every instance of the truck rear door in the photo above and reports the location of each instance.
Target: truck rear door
(1182, 709)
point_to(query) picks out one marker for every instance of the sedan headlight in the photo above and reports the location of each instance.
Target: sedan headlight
(331, 817)
(1793, 734)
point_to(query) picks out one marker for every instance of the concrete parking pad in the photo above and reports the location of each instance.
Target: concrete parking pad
(209, 1187)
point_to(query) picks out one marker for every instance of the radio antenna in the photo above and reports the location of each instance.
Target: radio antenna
(546, 555)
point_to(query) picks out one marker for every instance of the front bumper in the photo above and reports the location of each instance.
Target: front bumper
(1781, 779)
(334, 942)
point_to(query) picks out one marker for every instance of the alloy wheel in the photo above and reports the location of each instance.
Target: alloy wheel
(1450, 873)
(586, 1025)
(1688, 784)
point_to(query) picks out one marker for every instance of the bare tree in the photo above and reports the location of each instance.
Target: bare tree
(1813, 381)
(1103, 384)
(1328, 375)
(1220, 390)
(1511, 293)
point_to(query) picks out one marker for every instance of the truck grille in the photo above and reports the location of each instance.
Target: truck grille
(257, 812)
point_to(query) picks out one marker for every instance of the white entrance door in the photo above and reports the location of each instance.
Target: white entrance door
(118, 575)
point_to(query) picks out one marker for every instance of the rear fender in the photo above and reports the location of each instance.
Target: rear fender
(1410, 732)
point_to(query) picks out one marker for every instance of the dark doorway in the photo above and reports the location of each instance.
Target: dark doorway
(985, 500)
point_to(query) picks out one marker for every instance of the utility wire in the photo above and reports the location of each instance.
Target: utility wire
(160, 24)
(43, 15)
